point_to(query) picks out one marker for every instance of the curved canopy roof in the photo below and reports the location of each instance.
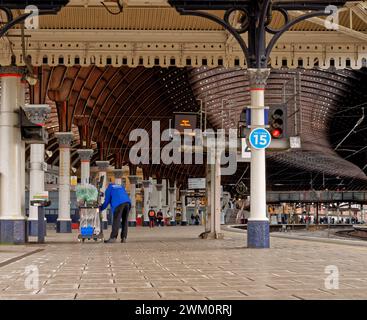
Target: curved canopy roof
(110, 102)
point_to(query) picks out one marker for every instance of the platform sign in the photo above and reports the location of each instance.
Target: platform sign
(196, 183)
(185, 121)
(260, 138)
(73, 181)
(41, 196)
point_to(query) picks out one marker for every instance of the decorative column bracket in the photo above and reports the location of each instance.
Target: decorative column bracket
(255, 20)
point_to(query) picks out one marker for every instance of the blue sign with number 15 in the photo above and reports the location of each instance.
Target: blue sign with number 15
(260, 138)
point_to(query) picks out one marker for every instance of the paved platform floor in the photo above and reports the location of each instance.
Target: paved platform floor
(173, 263)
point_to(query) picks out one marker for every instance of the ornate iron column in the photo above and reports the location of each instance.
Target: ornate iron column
(64, 221)
(253, 19)
(37, 113)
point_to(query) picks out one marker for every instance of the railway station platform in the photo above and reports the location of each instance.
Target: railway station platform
(171, 263)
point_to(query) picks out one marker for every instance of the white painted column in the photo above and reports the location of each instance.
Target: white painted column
(212, 199)
(258, 223)
(217, 200)
(21, 99)
(172, 204)
(36, 181)
(159, 188)
(132, 216)
(209, 196)
(183, 208)
(102, 172)
(146, 187)
(118, 176)
(37, 113)
(12, 219)
(85, 156)
(64, 220)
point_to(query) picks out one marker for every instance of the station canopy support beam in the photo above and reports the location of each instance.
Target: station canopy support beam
(253, 18)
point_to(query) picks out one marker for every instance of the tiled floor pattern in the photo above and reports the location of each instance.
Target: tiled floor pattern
(173, 263)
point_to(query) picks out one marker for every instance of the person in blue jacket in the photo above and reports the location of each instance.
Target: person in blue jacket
(117, 197)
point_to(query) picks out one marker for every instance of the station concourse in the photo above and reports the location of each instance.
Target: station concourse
(237, 120)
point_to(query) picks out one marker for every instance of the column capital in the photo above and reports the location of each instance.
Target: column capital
(64, 139)
(37, 113)
(133, 179)
(258, 77)
(85, 154)
(172, 189)
(146, 183)
(102, 165)
(159, 186)
(118, 173)
(123, 181)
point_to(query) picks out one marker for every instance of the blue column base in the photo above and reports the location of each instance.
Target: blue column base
(132, 223)
(183, 223)
(63, 226)
(13, 231)
(105, 225)
(33, 228)
(258, 234)
(145, 223)
(173, 223)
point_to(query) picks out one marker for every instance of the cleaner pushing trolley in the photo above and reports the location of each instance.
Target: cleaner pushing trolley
(89, 199)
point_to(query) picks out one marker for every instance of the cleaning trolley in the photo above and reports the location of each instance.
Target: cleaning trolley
(88, 197)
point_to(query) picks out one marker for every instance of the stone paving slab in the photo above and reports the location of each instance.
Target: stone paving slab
(173, 263)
